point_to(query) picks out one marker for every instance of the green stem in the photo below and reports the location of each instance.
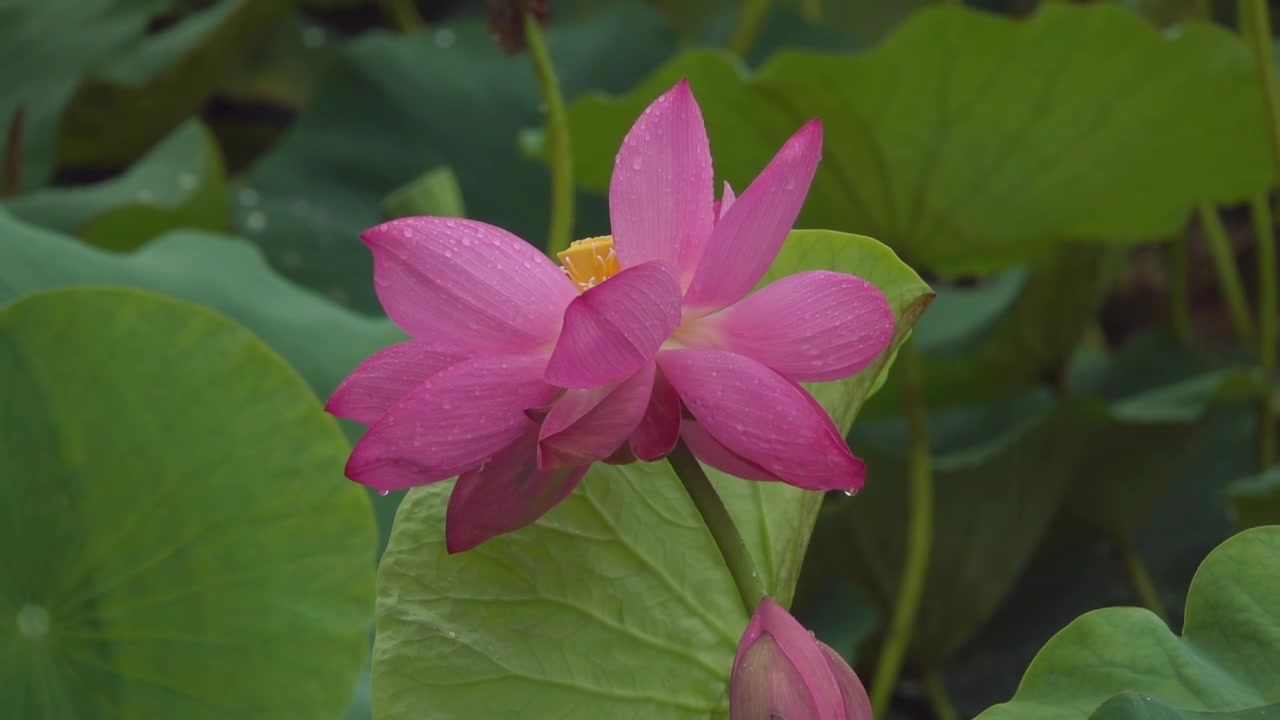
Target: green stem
(1257, 27)
(939, 698)
(1139, 579)
(748, 27)
(1264, 230)
(561, 150)
(1179, 299)
(403, 15)
(920, 531)
(1228, 273)
(716, 516)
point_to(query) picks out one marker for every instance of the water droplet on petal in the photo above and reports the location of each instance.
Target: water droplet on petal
(850, 492)
(384, 493)
(636, 162)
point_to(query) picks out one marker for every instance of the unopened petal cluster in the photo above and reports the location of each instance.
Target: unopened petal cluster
(781, 672)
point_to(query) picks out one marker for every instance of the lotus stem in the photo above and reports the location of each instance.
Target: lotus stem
(560, 148)
(939, 698)
(1139, 578)
(919, 531)
(737, 557)
(1228, 273)
(748, 27)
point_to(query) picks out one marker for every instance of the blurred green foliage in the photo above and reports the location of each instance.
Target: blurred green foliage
(214, 162)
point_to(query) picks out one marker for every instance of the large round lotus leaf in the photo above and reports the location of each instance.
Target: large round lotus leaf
(176, 537)
(1227, 659)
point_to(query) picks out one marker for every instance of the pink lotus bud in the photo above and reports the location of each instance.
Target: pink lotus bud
(782, 672)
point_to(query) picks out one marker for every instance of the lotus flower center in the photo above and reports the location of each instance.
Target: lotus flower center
(590, 262)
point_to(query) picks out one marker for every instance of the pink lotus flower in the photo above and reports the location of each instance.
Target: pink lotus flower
(782, 671)
(521, 374)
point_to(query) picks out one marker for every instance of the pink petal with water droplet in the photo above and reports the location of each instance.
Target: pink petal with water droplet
(748, 236)
(508, 493)
(811, 326)
(386, 377)
(467, 284)
(589, 425)
(451, 423)
(616, 327)
(762, 417)
(661, 192)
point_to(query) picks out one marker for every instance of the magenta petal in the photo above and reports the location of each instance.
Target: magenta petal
(761, 416)
(811, 326)
(661, 192)
(384, 378)
(709, 450)
(589, 425)
(747, 237)
(506, 494)
(451, 423)
(616, 327)
(467, 284)
(659, 429)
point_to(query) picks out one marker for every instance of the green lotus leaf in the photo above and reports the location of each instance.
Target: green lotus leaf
(179, 541)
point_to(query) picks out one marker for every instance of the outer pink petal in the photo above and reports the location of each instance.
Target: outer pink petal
(616, 327)
(811, 326)
(506, 494)
(660, 427)
(748, 235)
(709, 450)
(768, 420)
(780, 670)
(385, 377)
(857, 706)
(467, 284)
(661, 192)
(589, 425)
(451, 423)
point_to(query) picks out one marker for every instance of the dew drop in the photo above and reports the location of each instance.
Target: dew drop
(256, 221)
(850, 492)
(636, 163)
(384, 493)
